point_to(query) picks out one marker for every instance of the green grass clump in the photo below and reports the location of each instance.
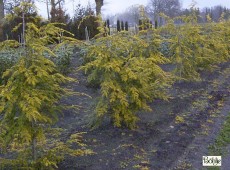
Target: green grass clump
(222, 140)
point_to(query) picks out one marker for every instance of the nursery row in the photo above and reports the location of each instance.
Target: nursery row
(129, 71)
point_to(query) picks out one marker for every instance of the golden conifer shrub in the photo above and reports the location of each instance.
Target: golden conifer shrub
(29, 104)
(129, 76)
(195, 47)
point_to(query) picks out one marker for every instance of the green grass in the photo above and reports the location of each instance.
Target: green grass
(222, 141)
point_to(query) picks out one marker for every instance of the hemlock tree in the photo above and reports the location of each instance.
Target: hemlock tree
(29, 105)
(217, 39)
(128, 75)
(83, 17)
(194, 48)
(144, 22)
(185, 45)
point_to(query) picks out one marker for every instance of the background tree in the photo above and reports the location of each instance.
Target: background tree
(118, 26)
(170, 8)
(214, 13)
(99, 4)
(144, 21)
(9, 5)
(126, 26)
(131, 14)
(14, 18)
(1, 19)
(83, 17)
(108, 25)
(122, 26)
(140, 25)
(47, 9)
(57, 13)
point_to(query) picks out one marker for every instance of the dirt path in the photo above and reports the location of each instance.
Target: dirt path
(173, 136)
(199, 146)
(192, 156)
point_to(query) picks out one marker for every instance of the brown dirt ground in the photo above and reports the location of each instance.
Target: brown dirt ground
(175, 135)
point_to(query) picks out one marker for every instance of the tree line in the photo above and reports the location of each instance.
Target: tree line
(85, 18)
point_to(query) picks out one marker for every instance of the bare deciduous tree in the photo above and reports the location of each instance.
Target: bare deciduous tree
(57, 13)
(169, 7)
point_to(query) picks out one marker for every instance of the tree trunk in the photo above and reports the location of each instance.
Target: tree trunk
(34, 151)
(53, 10)
(1, 20)
(47, 8)
(23, 30)
(99, 4)
(56, 13)
(34, 143)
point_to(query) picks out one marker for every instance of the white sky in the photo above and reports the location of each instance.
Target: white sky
(116, 6)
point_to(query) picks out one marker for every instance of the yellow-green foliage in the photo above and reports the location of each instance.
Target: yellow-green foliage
(217, 36)
(196, 47)
(129, 76)
(103, 31)
(51, 151)
(29, 102)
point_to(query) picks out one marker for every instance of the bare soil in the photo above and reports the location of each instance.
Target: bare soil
(175, 135)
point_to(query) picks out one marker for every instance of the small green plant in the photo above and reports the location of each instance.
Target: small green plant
(123, 164)
(179, 119)
(184, 165)
(222, 140)
(63, 58)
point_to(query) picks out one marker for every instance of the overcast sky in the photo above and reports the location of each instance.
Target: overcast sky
(116, 6)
